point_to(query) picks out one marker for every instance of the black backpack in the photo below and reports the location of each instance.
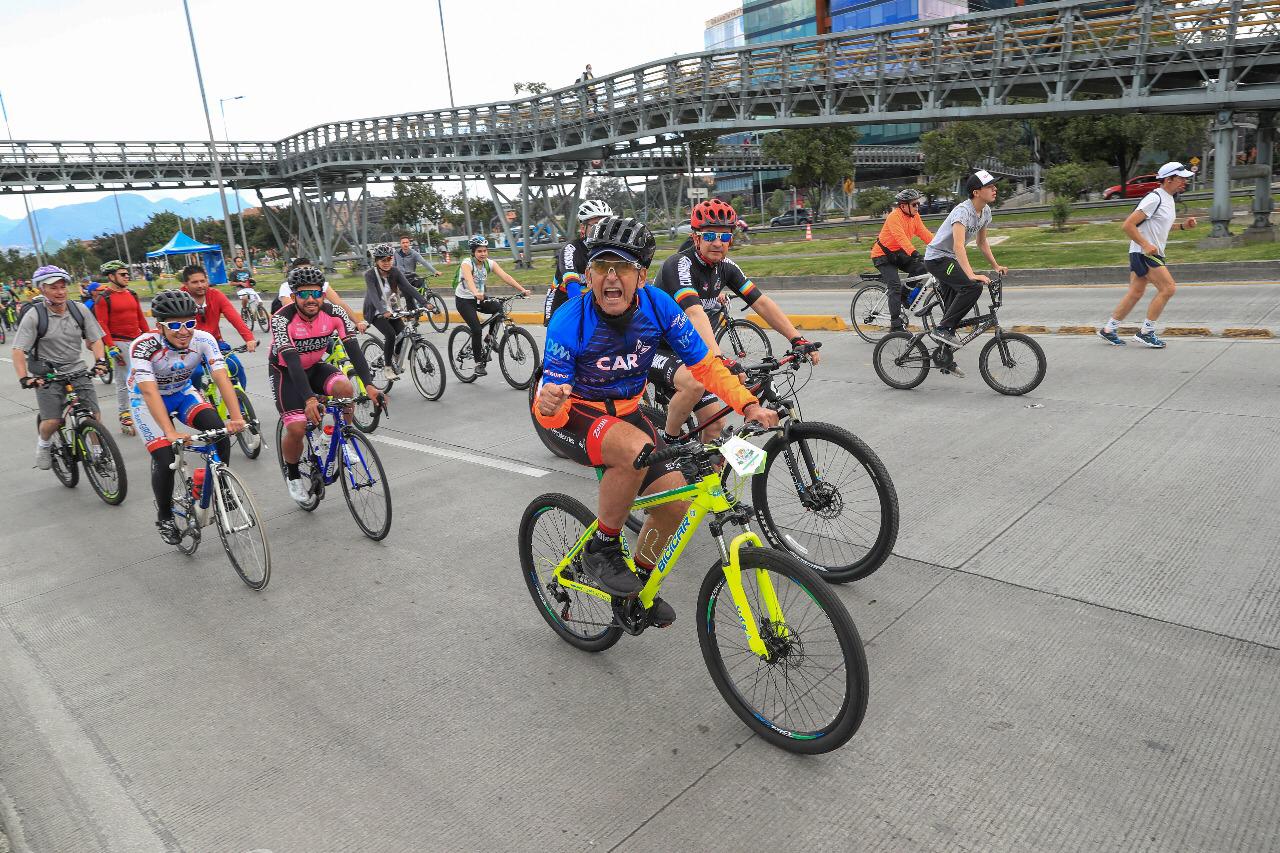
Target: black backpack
(42, 320)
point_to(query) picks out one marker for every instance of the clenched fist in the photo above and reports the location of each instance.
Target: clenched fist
(551, 397)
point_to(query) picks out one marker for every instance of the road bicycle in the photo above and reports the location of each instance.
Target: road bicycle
(517, 351)
(437, 312)
(823, 496)
(1011, 363)
(249, 438)
(869, 309)
(365, 416)
(336, 451)
(426, 367)
(738, 337)
(81, 438)
(214, 494)
(779, 644)
(255, 311)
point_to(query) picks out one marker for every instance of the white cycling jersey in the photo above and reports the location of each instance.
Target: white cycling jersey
(153, 359)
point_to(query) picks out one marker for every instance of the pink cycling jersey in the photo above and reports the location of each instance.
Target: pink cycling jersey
(310, 338)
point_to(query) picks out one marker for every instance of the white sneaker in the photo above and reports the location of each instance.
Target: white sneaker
(44, 457)
(389, 374)
(299, 490)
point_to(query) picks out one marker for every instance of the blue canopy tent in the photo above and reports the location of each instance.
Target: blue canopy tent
(210, 256)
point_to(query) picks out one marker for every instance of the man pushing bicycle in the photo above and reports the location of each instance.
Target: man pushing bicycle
(598, 354)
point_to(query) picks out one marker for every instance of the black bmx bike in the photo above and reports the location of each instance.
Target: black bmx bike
(1011, 363)
(517, 351)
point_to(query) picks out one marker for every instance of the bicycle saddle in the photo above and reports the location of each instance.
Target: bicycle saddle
(869, 276)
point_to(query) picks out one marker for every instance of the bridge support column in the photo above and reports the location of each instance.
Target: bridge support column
(526, 256)
(1262, 230)
(1224, 135)
(499, 204)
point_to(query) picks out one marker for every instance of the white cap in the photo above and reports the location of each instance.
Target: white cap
(1169, 170)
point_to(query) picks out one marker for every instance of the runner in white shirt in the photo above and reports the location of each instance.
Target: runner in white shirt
(1148, 228)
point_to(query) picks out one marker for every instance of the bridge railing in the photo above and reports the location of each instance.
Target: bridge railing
(126, 154)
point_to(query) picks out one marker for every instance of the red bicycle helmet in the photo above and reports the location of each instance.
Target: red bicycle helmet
(713, 212)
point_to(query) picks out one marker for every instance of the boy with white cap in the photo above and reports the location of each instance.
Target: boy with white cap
(1148, 228)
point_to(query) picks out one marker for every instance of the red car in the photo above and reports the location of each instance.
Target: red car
(1137, 187)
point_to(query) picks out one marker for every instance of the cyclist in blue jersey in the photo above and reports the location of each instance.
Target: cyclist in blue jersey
(598, 353)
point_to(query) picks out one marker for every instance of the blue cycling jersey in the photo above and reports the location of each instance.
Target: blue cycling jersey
(602, 362)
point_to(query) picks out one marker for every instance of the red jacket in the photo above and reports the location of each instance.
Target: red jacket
(120, 314)
(217, 306)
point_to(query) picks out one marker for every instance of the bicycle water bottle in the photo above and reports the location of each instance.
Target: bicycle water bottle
(197, 482)
(911, 297)
(322, 450)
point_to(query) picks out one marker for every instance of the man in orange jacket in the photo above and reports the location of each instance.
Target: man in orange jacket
(894, 251)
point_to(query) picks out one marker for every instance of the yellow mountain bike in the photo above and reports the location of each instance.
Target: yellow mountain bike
(365, 416)
(779, 644)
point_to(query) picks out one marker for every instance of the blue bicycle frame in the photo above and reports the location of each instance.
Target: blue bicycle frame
(337, 441)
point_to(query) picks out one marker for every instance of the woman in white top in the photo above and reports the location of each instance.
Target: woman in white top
(468, 294)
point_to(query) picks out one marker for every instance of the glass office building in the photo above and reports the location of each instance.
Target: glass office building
(865, 14)
(777, 20)
(724, 31)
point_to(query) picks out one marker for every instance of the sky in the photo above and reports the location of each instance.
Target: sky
(79, 70)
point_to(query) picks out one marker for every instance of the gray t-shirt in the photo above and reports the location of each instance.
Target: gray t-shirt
(941, 246)
(62, 344)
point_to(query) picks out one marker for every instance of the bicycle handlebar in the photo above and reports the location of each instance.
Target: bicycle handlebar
(209, 436)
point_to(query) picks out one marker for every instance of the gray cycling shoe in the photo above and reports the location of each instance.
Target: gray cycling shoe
(610, 570)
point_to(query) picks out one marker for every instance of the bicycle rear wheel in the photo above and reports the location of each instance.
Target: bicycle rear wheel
(243, 536)
(899, 364)
(364, 484)
(808, 694)
(371, 349)
(103, 463)
(744, 341)
(869, 312)
(462, 360)
(64, 460)
(306, 467)
(427, 369)
(551, 525)
(437, 313)
(1018, 366)
(518, 358)
(249, 438)
(264, 317)
(827, 499)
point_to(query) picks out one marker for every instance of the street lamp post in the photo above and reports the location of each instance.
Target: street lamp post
(448, 76)
(31, 221)
(124, 235)
(213, 143)
(244, 241)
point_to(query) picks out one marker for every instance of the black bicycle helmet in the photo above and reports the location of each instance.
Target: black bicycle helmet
(168, 304)
(907, 196)
(383, 250)
(306, 277)
(625, 234)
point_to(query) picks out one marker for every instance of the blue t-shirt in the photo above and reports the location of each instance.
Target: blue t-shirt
(602, 362)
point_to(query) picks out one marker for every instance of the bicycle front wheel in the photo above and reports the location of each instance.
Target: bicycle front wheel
(462, 360)
(899, 364)
(371, 349)
(1012, 363)
(827, 499)
(518, 358)
(551, 525)
(869, 312)
(244, 537)
(249, 438)
(103, 463)
(364, 484)
(437, 313)
(427, 369)
(64, 460)
(744, 341)
(808, 692)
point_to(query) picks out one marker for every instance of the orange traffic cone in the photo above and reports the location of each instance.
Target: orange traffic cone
(808, 231)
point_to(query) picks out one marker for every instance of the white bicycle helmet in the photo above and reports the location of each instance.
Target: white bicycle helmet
(593, 208)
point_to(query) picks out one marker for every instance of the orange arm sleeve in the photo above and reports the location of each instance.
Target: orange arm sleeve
(716, 378)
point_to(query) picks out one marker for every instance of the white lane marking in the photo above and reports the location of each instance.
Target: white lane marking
(446, 453)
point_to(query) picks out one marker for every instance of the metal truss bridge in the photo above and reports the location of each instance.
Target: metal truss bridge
(1067, 57)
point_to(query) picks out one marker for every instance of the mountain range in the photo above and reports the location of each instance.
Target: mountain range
(89, 219)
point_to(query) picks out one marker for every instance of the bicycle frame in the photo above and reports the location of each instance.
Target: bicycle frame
(980, 322)
(206, 502)
(337, 356)
(337, 441)
(705, 497)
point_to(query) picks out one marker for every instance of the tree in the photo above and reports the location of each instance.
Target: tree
(1067, 180)
(1120, 140)
(874, 201)
(777, 202)
(611, 191)
(961, 147)
(531, 88)
(410, 204)
(483, 212)
(159, 228)
(1060, 209)
(819, 156)
(739, 203)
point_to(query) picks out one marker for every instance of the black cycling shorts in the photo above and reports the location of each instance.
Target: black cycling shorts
(290, 402)
(662, 373)
(582, 435)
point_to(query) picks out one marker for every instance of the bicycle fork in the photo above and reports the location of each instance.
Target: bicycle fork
(731, 565)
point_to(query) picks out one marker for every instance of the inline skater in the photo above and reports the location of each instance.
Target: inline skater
(695, 278)
(161, 366)
(597, 360)
(300, 336)
(571, 261)
(894, 252)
